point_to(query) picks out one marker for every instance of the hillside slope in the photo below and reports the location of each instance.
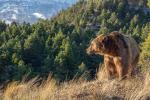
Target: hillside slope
(131, 89)
(58, 46)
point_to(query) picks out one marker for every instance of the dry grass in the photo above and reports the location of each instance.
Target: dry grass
(30, 90)
(137, 88)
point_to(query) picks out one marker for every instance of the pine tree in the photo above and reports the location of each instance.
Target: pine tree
(148, 3)
(145, 55)
(2, 26)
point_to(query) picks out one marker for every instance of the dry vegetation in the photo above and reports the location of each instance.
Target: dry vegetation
(137, 88)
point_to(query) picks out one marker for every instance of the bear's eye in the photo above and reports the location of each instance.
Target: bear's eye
(103, 46)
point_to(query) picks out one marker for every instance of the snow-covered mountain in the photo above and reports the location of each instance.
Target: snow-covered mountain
(31, 10)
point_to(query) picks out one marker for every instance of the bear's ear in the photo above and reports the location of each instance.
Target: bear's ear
(109, 42)
(106, 40)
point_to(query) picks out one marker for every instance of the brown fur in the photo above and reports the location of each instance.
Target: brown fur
(121, 53)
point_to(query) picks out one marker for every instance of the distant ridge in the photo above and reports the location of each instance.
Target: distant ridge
(31, 10)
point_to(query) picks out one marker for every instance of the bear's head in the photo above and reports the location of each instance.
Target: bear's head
(102, 45)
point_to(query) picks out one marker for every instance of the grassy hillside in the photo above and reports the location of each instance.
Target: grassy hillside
(58, 47)
(137, 88)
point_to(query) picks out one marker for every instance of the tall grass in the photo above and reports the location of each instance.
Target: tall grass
(136, 88)
(30, 90)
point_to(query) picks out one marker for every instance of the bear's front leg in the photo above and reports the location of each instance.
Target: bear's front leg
(110, 69)
(108, 73)
(121, 68)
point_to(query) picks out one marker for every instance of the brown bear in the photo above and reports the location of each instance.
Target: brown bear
(121, 53)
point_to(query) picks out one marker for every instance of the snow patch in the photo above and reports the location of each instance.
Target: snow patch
(14, 17)
(16, 11)
(3, 10)
(8, 22)
(9, 10)
(39, 15)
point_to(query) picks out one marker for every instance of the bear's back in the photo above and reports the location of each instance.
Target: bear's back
(128, 43)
